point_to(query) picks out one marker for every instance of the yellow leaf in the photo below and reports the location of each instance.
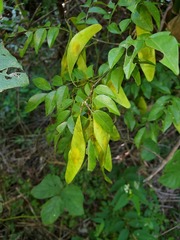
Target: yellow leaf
(102, 140)
(145, 55)
(77, 152)
(78, 42)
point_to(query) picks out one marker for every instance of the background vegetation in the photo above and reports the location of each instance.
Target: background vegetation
(142, 200)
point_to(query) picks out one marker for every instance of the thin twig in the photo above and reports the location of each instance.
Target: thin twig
(169, 230)
(164, 162)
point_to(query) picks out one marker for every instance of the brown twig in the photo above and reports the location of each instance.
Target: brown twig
(168, 158)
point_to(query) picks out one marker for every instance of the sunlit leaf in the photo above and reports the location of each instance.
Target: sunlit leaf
(77, 44)
(124, 24)
(77, 152)
(103, 89)
(101, 101)
(39, 38)
(142, 18)
(42, 84)
(34, 101)
(114, 56)
(120, 96)
(147, 56)
(50, 102)
(52, 35)
(168, 45)
(1, 6)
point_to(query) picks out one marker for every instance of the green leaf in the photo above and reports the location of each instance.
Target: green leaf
(168, 45)
(105, 121)
(62, 116)
(166, 123)
(1, 6)
(136, 75)
(39, 38)
(130, 4)
(114, 56)
(98, 10)
(143, 234)
(121, 202)
(156, 112)
(108, 160)
(124, 24)
(101, 101)
(29, 39)
(103, 89)
(153, 10)
(175, 110)
(52, 35)
(124, 234)
(142, 18)
(57, 81)
(42, 84)
(171, 176)
(91, 152)
(70, 124)
(50, 186)
(61, 127)
(77, 152)
(149, 150)
(117, 76)
(50, 102)
(73, 200)
(51, 210)
(11, 74)
(121, 98)
(34, 101)
(129, 64)
(77, 44)
(113, 28)
(139, 136)
(129, 120)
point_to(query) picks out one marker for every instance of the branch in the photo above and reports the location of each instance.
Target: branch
(162, 165)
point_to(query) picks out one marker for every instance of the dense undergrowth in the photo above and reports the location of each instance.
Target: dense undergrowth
(129, 208)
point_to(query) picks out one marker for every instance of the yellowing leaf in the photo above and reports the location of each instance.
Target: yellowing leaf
(145, 55)
(120, 97)
(102, 138)
(77, 152)
(77, 44)
(81, 62)
(91, 156)
(142, 105)
(108, 160)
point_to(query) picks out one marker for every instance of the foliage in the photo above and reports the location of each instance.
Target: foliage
(135, 77)
(69, 198)
(11, 74)
(80, 108)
